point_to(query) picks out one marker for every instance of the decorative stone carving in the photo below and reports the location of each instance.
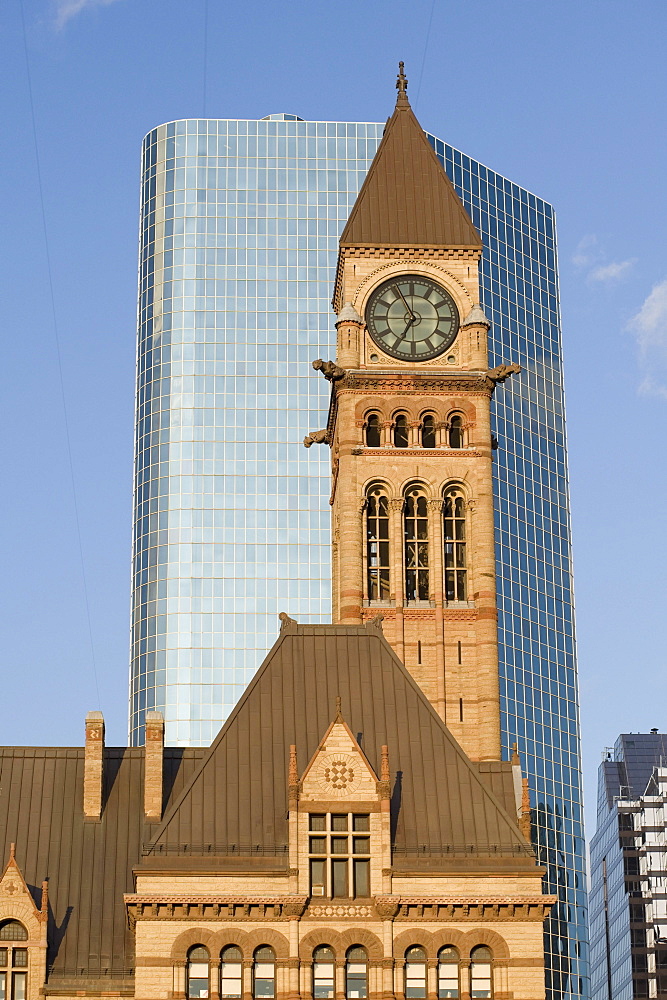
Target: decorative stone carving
(338, 774)
(286, 621)
(329, 369)
(386, 908)
(375, 621)
(502, 372)
(317, 437)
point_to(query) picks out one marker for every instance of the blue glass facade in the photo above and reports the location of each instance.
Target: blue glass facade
(238, 245)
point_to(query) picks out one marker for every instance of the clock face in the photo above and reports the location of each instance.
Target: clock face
(412, 318)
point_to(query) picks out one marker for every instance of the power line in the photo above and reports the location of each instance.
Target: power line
(426, 41)
(56, 336)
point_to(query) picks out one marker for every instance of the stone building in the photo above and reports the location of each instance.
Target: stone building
(352, 831)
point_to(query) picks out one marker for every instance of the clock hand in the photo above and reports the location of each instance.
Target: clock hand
(406, 304)
(410, 322)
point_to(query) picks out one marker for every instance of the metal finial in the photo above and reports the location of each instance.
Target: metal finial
(402, 83)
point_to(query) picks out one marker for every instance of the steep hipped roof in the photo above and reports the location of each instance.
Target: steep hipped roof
(407, 198)
(444, 813)
(88, 864)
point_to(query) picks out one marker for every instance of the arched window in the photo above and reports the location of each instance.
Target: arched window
(264, 972)
(13, 962)
(356, 973)
(454, 530)
(198, 967)
(231, 972)
(415, 972)
(323, 972)
(448, 973)
(428, 431)
(415, 521)
(480, 973)
(373, 430)
(377, 543)
(401, 431)
(12, 930)
(456, 431)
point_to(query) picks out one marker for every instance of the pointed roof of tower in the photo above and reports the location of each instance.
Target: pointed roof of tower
(407, 198)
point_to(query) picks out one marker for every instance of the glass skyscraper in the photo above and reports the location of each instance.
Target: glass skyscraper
(239, 238)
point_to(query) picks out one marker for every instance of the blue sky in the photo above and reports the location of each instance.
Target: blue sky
(567, 99)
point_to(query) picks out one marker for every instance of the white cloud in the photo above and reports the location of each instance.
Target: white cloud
(67, 9)
(649, 328)
(589, 256)
(609, 272)
(587, 252)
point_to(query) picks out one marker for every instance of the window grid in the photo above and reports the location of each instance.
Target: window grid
(415, 527)
(454, 525)
(339, 847)
(377, 544)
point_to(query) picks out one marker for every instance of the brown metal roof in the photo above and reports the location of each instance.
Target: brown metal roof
(407, 198)
(235, 807)
(88, 864)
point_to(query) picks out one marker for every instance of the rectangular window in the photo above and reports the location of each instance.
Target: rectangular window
(3, 957)
(264, 972)
(318, 821)
(318, 845)
(339, 878)
(448, 982)
(338, 822)
(317, 877)
(21, 958)
(19, 991)
(3, 985)
(361, 878)
(231, 985)
(361, 845)
(361, 822)
(339, 845)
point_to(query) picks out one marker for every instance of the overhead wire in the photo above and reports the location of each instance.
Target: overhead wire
(426, 41)
(56, 335)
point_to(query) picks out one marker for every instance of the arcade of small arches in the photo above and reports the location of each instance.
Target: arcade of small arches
(427, 430)
(418, 541)
(449, 973)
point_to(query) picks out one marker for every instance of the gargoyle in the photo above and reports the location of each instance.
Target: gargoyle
(502, 372)
(285, 620)
(375, 622)
(316, 437)
(329, 369)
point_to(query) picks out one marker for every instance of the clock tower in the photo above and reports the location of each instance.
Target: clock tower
(410, 436)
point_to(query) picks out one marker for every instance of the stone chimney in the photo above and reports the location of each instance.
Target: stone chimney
(93, 768)
(153, 766)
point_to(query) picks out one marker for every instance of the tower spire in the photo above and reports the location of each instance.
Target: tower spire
(402, 87)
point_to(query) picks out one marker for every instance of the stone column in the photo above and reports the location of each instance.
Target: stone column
(437, 589)
(350, 560)
(396, 506)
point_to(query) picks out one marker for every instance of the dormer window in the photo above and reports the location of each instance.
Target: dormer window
(339, 849)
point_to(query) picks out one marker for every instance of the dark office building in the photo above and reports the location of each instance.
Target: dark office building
(628, 902)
